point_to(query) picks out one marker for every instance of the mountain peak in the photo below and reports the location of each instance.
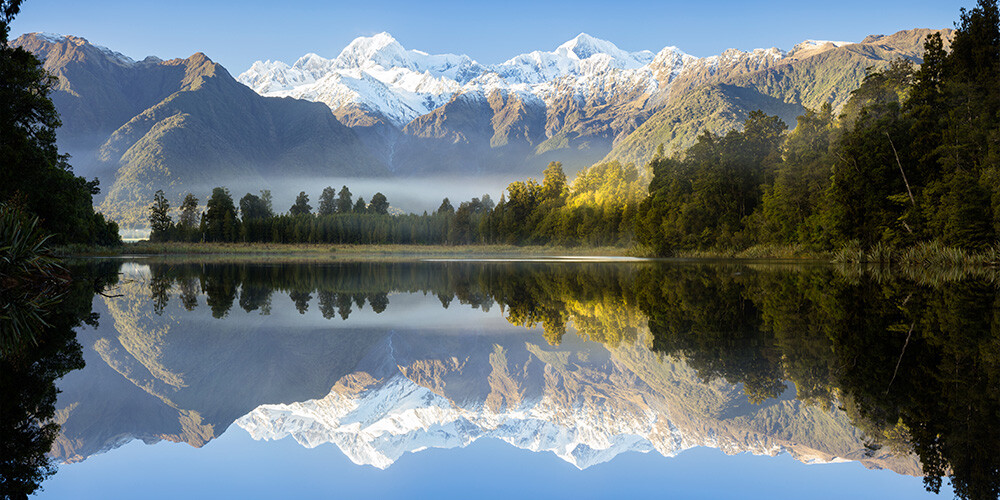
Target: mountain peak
(583, 46)
(379, 49)
(41, 43)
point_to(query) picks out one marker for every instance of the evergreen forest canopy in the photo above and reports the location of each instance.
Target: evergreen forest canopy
(35, 179)
(913, 157)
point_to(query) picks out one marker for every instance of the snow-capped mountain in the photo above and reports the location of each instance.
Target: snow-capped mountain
(380, 424)
(378, 74)
(400, 112)
(585, 409)
(374, 72)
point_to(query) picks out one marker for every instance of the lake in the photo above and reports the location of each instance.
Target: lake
(558, 378)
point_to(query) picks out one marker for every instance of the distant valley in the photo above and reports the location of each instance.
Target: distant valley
(380, 111)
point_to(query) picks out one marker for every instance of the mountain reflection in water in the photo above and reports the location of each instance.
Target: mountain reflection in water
(584, 360)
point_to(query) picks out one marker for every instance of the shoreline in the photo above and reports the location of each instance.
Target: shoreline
(926, 255)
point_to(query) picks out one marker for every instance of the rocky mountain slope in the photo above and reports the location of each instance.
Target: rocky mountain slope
(177, 124)
(378, 108)
(717, 94)
(593, 95)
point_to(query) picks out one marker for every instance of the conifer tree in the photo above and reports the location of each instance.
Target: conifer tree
(327, 201)
(220, 222)
(160, 222)
(360, 207)
(379, 205)
(301, 206)
(344, 204)
(445, 207)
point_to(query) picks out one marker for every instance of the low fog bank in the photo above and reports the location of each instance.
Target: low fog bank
(409, 194)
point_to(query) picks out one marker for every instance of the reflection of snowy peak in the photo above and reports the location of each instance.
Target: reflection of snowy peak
(379, 425)
(583, 407)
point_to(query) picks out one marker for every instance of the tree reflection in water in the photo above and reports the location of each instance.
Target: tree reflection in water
(912, 358)
(33, 355)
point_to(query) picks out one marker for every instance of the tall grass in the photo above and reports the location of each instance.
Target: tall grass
(929, 262)
(31, 279)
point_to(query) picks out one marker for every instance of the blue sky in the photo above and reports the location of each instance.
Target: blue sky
(238, 33)
(234, 466)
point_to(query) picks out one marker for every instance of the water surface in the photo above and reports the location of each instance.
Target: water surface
(532, 378)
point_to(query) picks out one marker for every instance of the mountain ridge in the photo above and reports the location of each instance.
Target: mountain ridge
(379, 109)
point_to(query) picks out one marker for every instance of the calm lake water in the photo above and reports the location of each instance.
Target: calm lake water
(494, 379)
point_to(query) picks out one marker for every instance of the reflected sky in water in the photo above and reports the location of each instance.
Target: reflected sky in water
(235, 466)
(455, 380)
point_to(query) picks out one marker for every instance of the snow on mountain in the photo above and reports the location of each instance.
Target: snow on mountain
(809, 47)
(54, 38)
(404, 84)
(379, 74)
(379, 425)
(581, 56)
(373, 72)
(609, 411)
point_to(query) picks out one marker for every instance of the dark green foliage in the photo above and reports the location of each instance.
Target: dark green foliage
(301, 206)
(789, 204)
(379, 205)
(446, 207)
(160, 223)
(327, 201)
(913, 157)
(220, 222)
(33, 356)
(33, 173)
(344, 204)
(360, 206)
(704, 200)
(252, 208)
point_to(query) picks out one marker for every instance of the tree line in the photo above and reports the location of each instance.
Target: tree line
(339, 218)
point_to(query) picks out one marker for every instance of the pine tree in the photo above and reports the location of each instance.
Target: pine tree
(344, 204)
(327, 201)
(301, 206)
(220, 210)
(160, 222)
(445, 207)
(379, 205)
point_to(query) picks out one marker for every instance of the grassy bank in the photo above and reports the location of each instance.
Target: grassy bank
(316, 251)
(921, 255)
(759, 252)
